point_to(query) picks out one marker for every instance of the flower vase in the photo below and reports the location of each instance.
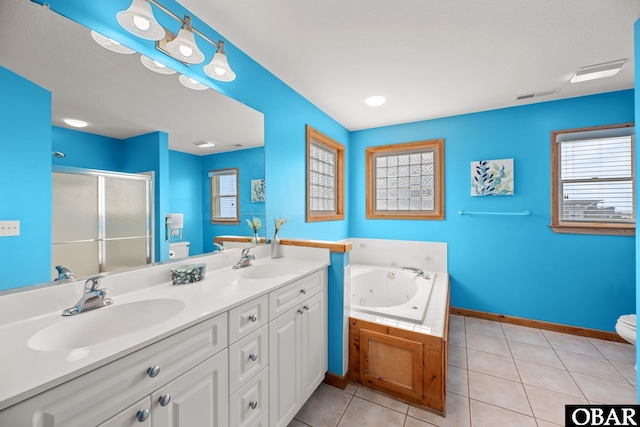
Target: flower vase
(255, 240)
(275, 248)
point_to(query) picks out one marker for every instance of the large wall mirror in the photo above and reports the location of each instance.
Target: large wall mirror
(121, 100)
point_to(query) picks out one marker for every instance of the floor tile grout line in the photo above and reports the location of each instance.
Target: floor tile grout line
(503, 408)
(345, 409)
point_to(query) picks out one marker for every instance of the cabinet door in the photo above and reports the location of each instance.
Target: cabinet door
(133, 416)
(314, 343)
(285, 367)
(199, 398)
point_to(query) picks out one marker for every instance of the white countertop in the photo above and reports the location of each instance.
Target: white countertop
(25, 372)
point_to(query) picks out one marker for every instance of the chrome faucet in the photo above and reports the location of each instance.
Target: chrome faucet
(93, 298)
(64, 273)
(245, 259)
(218, 247)
(417, 271)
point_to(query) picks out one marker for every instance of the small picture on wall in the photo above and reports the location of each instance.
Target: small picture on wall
(492, 178)
(257, 190)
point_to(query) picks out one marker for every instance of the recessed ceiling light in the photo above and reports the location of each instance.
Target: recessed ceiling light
(204, 144)
(375, 101)
(598, 71)
(76, 123)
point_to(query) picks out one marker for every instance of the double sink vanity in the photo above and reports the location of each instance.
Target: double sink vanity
(243, 347)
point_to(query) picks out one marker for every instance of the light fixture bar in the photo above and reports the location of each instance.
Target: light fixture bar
(179, 19)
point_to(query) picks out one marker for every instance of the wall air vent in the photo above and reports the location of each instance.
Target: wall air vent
(536, 95)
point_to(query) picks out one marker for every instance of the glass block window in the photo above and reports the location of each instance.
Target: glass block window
(405, 180)
(224, 196)
(325, 171)
(594, 180)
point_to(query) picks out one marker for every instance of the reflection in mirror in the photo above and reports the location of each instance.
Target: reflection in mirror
(138, 121)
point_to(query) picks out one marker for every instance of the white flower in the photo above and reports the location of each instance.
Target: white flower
(254, 223)
(279, 222)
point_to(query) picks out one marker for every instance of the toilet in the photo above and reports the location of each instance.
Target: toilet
(180, 250)
(626, 327)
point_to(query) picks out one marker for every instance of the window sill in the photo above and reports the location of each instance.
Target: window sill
(601, 229)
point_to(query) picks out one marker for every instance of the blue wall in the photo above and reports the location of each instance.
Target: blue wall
(86, 150)
(513, 265)
(250, 164)
(25, 177)
(185, 181)
(636, 46)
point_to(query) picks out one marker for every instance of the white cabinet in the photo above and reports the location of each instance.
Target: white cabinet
(136, 415)
(297, 357)
(196, 399)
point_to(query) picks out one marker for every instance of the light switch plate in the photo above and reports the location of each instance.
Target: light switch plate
(9, 228)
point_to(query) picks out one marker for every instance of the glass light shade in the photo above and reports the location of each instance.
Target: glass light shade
(375, 101)
(110, 44)
(156, 66)
(184, 48)
(219, 68)
(138, 19)
(191, 83)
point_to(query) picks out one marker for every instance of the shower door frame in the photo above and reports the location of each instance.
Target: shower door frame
(102, 239)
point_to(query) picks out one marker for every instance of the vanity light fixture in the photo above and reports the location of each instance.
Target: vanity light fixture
(76, 123)
(598, 71)
(111, 44)
(183, 46)
(191, 83)
(156, 66)
(375, 101)
(138, 19)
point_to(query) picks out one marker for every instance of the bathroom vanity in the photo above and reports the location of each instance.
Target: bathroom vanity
(246, 347)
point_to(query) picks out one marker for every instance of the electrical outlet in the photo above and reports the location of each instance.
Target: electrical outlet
(9, 228)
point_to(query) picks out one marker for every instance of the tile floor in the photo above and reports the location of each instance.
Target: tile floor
(499, 375)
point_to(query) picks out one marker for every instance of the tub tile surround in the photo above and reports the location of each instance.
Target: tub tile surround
(26, 372)
(480, 393)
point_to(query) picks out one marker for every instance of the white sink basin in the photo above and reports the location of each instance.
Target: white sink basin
(265, 271)
(104, 324)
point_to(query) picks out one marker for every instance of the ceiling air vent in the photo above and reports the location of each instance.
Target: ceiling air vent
(536, 95)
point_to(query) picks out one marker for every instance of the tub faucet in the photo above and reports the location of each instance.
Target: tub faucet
(93, 298)
(245, 259)
(64, 273)
(417, 271)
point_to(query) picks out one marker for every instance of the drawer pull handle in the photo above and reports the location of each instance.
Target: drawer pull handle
(301, 311)
(253, 405)
(142, 415)
(303, 291)
(153, 371)
(253, 357)
(306, 307)
(164, 399)
(253, 317)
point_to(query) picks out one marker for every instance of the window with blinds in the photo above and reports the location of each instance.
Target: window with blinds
(325, 177)
(224, 196)
(594, 180)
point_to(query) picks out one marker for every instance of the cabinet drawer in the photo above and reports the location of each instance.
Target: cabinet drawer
(94, 397)
(287, 297)
(247, 318)
(247, 357)
(251, 402)
(129, 417)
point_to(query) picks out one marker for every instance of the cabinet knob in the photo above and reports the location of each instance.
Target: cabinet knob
(253, 405)
(253, 317)
(303, 291)
(164, 399)
(253, 357)
(153, 371)
(306, 307)
(142, 415)
(301, 311)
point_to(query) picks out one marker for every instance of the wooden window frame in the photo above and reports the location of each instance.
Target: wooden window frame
(438, 213)
(566, 227)
(230, 221)
(319, 137)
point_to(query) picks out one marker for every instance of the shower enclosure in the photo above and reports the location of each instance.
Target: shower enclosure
(102, 221)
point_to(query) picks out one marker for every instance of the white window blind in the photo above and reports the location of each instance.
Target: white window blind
(597, 180)
(224, 195)
(322, 170)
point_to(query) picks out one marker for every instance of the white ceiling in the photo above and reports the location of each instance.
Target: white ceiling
(115, 93)
(428, 58)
